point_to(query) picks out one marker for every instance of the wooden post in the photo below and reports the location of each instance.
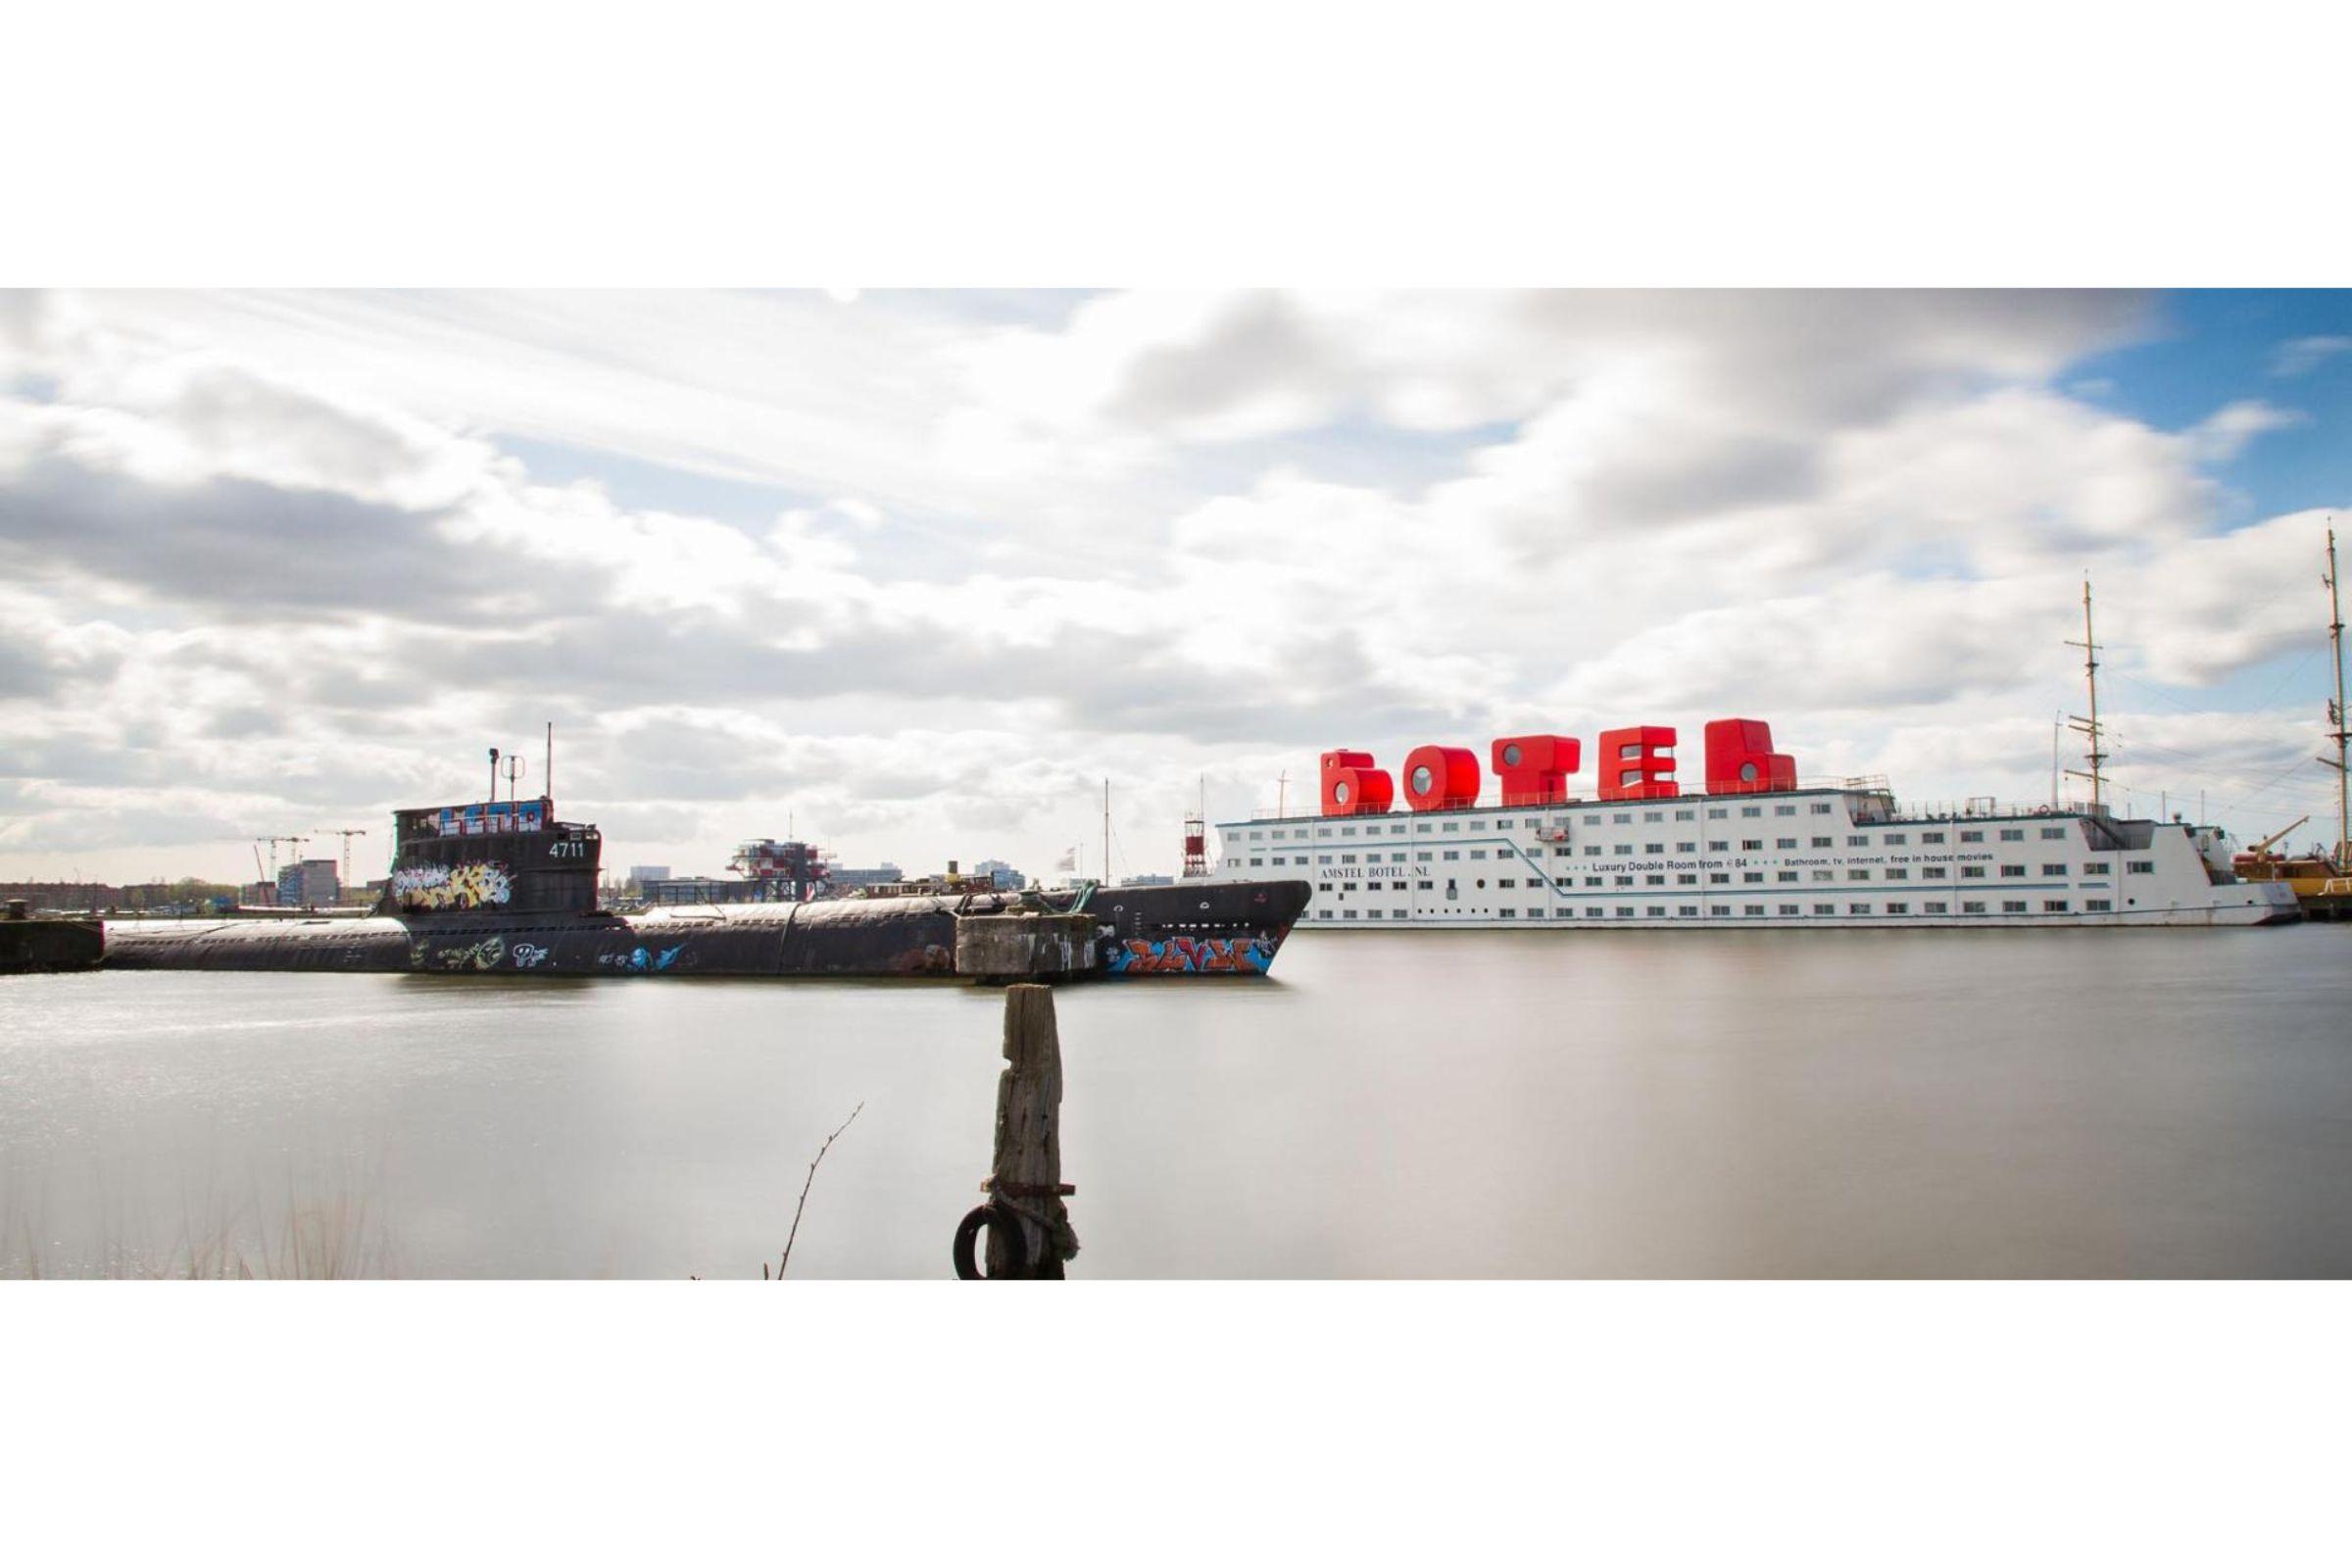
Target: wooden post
(1027, 1179)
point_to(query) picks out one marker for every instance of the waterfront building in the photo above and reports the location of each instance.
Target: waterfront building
(310, 884)
(850, 878)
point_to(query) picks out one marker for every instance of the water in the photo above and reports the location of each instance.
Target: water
(1410, 1104)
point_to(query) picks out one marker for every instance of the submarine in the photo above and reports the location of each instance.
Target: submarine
(504, 887)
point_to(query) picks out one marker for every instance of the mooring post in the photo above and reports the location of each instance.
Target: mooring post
(1029, 1234)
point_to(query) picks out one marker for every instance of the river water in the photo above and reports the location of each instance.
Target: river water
(1407, 1104)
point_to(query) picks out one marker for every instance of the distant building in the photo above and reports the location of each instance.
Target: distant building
(708, 890)
(999, 875)
(62, 895)
(642, 874)
(310, 884)
(257, 895)
(687, 889)
(1151, 879)
(850, 878)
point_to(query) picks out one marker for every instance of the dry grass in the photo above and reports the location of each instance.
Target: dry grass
(335, 1239)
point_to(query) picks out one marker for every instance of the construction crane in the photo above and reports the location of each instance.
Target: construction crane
(297, 840)
(2263, 846)
(346, 834)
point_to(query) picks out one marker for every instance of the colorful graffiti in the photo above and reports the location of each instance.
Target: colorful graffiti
(1193, 956)
(469, 886)
(640, 960)
(483, 954)
(529, 956)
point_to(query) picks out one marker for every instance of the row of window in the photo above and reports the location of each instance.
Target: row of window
(2006, 835)
(1627, 911)
(1893, 873)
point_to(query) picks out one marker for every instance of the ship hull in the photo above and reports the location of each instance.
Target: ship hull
(1220, 929)
(1815, 859)
(1195, 927)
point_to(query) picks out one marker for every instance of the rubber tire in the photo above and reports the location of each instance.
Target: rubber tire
(965, 1250)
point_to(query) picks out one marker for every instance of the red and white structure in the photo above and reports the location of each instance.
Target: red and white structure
(1754, 846)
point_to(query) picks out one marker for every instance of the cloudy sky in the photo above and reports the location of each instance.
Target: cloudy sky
(916, 571)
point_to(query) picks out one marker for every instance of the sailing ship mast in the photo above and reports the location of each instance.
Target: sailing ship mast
(2090, 726)
(2343, 857)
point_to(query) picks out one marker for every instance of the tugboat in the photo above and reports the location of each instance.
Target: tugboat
(504, 887)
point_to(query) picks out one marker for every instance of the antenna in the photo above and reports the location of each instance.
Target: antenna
(547, 775)
(1282, 793)
(1196, 836)
(2336, 716)
(515, 770)
(2090, 727)
(1107, 832)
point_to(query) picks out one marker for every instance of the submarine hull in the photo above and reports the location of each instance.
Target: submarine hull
(1205, 928)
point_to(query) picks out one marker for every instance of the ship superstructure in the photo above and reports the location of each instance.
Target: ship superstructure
(1758, 848)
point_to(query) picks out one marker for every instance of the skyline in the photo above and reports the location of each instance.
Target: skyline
(919, 570)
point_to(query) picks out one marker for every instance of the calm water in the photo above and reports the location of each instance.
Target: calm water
(2153, 1104)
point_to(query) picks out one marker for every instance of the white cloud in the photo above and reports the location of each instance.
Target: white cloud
(267, 564)
(2303, 354)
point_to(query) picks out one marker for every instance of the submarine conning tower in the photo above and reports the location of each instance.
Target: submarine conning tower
(492, 857)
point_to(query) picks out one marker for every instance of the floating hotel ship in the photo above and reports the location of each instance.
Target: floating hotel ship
(502, 887)
(1759, 848)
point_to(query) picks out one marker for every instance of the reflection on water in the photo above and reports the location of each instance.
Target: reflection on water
(1400, 1104)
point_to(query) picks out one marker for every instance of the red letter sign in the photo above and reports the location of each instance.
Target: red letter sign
(1441, 778)
(1740, 760)
(1533, 769)
(1351, 784)
(1636, 765)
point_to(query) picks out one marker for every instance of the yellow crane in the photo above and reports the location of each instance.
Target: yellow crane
(2263, 846)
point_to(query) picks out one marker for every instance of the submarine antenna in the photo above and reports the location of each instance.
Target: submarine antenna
(494, 775)
(547, 775)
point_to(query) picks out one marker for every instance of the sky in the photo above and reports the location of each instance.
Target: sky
(912, 574)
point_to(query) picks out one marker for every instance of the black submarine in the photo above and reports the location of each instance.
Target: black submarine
(502, 887)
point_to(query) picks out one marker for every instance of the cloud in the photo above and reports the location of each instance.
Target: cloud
(265, 569)
(2303, 354)
(2223, 434)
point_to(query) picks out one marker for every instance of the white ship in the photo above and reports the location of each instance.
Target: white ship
(1759, 848)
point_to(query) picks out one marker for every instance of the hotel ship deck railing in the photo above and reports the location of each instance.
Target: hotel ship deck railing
(1874, 804)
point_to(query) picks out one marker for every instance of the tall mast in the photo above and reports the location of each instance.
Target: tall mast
(2057, 732)
(1107, 832)
(2335, 715)
(2090, 727)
